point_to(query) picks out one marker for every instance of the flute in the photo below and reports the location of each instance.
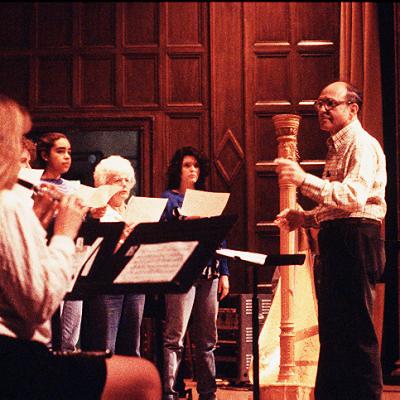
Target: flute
(38, 190)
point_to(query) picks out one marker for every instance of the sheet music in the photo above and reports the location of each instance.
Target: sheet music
(255, 258)
(144, 209)
(159, 262)
(31, 175)
(96, 197)
(203, 204)
(73, 185)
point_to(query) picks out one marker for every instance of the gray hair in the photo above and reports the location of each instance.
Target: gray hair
(113, 165)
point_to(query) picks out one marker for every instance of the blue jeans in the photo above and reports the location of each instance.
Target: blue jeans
(71, 316)
(201, 303)
(113, 322)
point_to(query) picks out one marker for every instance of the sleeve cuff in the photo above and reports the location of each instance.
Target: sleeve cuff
(309, 220)
(63, 242)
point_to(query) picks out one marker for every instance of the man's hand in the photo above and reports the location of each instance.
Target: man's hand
(290, 172)
(290, 219)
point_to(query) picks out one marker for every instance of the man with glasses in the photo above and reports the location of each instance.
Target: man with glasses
(351, 207)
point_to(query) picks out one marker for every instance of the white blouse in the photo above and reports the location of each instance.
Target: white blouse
(34, 276)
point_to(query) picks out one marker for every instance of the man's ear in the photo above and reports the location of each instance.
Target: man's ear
(354, 108)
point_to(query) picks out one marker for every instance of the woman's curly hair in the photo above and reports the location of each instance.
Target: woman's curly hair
(175, 167)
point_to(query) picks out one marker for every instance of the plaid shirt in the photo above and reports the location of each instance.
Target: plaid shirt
(354, 178)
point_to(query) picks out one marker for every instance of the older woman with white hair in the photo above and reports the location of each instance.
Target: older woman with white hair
(113, 321)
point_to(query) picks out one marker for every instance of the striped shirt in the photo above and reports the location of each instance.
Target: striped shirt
(354, 178)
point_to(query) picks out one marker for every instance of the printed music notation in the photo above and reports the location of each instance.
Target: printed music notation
(159, 262)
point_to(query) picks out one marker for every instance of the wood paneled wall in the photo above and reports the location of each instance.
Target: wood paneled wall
(209, 75)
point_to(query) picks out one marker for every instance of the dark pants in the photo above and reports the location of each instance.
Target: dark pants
(351, 262)
(28, 370)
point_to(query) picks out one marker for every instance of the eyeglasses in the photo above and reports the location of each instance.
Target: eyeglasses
(329, 104)
(118, 180)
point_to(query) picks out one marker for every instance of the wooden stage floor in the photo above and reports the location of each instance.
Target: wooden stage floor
(226, 392)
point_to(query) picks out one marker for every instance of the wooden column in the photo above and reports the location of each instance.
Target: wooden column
(286, 127)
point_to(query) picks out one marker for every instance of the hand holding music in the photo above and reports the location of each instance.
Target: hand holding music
(98, 213)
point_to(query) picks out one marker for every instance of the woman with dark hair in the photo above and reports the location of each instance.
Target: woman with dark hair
(53, 152)
(54, 156)
(35, 276)
(188, 169)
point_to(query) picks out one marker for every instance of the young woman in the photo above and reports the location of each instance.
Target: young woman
(54, 156)
(35, 279)
(113, 321)
(188, 169)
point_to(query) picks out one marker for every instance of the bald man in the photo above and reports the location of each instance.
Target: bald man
(351, 207)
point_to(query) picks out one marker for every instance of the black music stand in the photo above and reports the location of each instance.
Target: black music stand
(256, 260)
(90, 230)
(206, 234)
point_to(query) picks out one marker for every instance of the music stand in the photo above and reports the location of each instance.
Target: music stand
(199, 238)
(89, 231)
(255, 261)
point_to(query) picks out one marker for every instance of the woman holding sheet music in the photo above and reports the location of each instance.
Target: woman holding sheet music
(54, 156)
(188, 169)
(113, 321)
(36, 275)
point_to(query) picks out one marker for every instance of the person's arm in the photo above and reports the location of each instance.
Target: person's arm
(350, 193)
(97, 213)
(131, 377)
(36, 276)
(291, 219)
(223, 281)
(173, 204)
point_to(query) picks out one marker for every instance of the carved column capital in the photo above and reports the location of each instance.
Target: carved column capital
(286, 129)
